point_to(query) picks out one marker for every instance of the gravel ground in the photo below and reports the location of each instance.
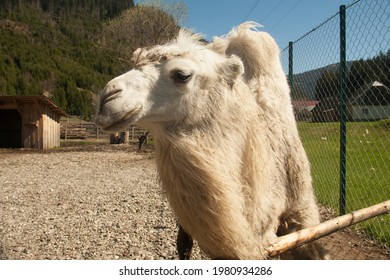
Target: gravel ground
(101, 202)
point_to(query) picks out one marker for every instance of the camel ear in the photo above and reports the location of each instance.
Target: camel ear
(232, 68)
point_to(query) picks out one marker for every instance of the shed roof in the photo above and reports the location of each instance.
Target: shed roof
(34, 98)
(374, 93)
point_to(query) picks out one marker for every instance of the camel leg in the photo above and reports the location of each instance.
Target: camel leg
(184, 244)
(303, 219)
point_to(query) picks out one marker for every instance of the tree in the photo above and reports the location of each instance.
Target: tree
(177, 10)
(366, 71)
(328, 85)
(297, 93)
(142, 26)
(357, 76)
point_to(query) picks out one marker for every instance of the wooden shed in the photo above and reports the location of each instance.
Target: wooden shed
(29, 122)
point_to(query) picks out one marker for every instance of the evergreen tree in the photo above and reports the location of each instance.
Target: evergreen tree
(50, 46)
(361, 72)
(328, 85)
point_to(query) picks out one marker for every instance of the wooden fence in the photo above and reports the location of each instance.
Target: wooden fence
(82, 130)
(88, 130)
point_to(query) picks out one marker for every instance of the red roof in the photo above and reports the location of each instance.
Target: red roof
(304, 103)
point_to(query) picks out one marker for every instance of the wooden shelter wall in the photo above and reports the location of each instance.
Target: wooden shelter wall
(40, 124)
(50, 128)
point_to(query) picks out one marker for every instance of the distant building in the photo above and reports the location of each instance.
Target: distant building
(371, 102)
(29, 122)
(327, 110)
(303, 109)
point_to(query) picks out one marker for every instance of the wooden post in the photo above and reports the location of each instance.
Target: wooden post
(132, 133)
(307, 235)
(66, 128)
(124, 137)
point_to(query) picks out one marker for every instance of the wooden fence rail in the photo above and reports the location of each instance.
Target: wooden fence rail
(79, 130)
(307, 235)
(88, 130)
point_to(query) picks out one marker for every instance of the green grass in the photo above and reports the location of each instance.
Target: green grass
(368, 172)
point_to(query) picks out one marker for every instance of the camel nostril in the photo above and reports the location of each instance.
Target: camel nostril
(111, 95)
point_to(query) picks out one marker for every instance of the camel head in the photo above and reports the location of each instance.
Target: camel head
(172, 83)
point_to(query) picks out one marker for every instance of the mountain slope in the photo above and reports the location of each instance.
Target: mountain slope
(306, 82)
(53, 50)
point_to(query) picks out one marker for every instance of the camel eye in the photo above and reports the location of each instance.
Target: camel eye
(181, 77)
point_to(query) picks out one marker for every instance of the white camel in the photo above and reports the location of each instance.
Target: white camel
(228, 152)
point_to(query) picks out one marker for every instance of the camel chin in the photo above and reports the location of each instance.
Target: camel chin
(121, 123)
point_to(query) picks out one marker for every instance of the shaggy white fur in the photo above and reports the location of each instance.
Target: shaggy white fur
(227, 147)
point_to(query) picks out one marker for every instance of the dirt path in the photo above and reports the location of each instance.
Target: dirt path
(102, 202)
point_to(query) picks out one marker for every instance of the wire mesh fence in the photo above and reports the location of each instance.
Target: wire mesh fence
(339, 75)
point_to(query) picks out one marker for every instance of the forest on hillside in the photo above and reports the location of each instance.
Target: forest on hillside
(100, 9)
(360, 73)
(69, 49)
(324, 83)
(51, 47)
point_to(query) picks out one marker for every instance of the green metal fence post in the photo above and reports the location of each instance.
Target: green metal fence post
(343, 111)
(290, 67)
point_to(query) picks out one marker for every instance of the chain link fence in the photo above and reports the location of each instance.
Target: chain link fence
(339, 75)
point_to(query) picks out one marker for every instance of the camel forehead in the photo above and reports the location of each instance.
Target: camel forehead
(185, 45)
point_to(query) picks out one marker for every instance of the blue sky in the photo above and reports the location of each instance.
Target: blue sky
(285, 20)
(368, 26)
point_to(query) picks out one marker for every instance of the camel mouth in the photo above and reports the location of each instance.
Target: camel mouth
(128, 119)
(112, 95)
